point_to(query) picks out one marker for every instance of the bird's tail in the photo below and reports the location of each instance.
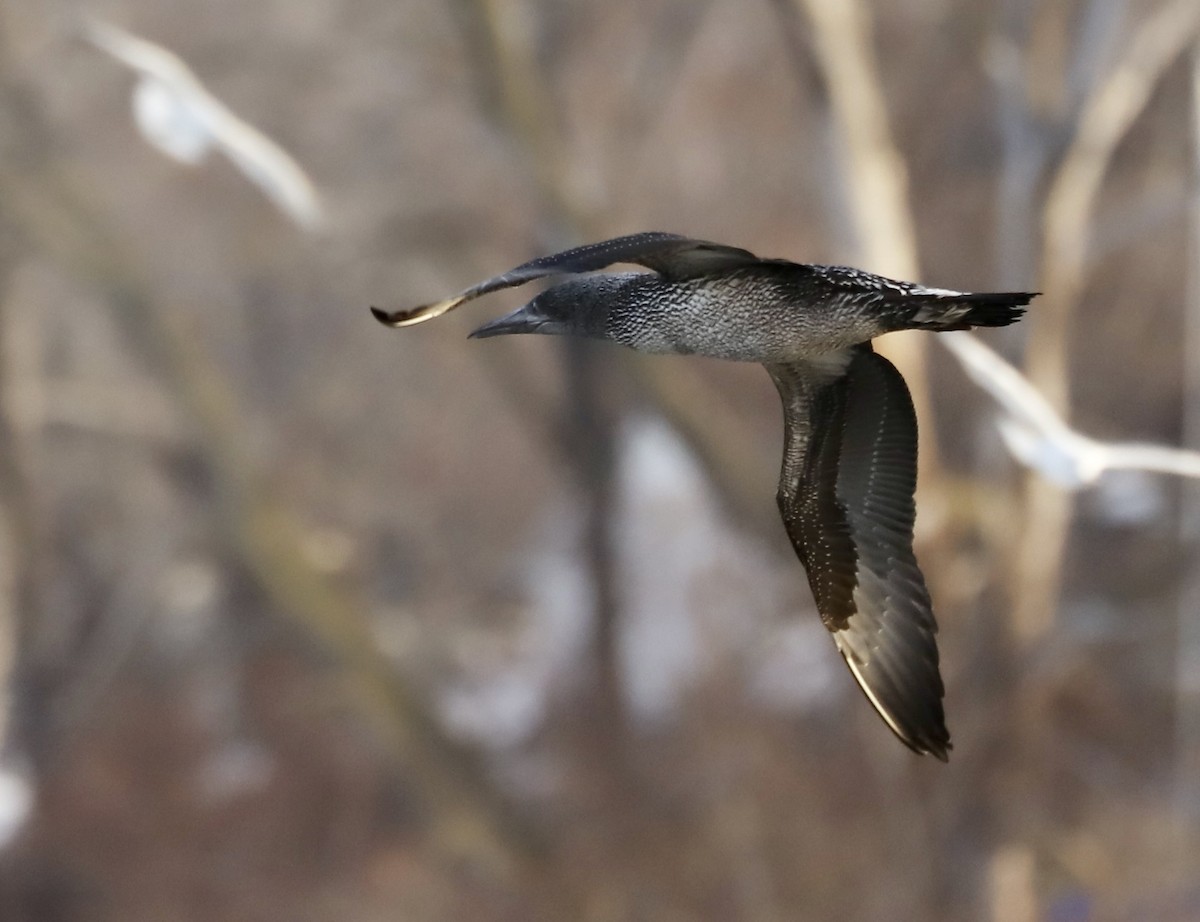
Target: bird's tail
(962, 310)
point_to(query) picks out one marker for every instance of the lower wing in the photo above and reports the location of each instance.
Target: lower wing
(846, 496)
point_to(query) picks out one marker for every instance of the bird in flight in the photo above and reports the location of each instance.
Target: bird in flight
(177, 114)
(850, 433)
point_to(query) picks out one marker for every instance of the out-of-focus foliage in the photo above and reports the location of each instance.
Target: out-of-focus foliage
(307, 619)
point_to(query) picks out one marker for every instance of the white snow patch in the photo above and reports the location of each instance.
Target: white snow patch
(505, 700)
(695, 589)
(17, 799)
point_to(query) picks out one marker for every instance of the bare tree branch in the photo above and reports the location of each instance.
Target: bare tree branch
(876, 179)
(1039, 439)
(1105, 118)
(1187, 662)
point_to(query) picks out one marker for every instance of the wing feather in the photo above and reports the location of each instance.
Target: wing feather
(670, 255)
(846, 496)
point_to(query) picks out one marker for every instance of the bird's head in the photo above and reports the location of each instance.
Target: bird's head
(577, 307)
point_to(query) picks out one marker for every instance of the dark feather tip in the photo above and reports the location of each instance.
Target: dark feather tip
(939, 749)
(385, 317)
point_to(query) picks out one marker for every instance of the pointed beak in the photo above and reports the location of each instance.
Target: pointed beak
(529, 319)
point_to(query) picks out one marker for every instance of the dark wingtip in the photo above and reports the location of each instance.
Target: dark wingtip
(936, 744)
(930, 740)
(384, 317)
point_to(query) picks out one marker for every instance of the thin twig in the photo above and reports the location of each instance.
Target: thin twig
(1025, 149)
(1187, 662)
(20, 536)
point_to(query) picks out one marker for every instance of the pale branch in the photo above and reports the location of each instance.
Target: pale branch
(1106, 116)
(1037, 437)
(179, 115)
(1187, 639)
(876, 178)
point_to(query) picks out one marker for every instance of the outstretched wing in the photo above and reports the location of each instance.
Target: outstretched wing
(846, 496)
(668, 254)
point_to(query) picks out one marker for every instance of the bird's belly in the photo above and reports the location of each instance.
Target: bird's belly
(749, 329)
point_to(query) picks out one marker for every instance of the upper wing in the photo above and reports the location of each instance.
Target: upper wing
(668, 254)
(846, 495)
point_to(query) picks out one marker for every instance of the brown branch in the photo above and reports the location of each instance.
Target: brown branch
(1187, 663)
(20, 535)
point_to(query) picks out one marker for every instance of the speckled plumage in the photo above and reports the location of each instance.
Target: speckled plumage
(850, 446)
(774, 311)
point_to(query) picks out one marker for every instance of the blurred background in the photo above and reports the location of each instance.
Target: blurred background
(306, 619)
